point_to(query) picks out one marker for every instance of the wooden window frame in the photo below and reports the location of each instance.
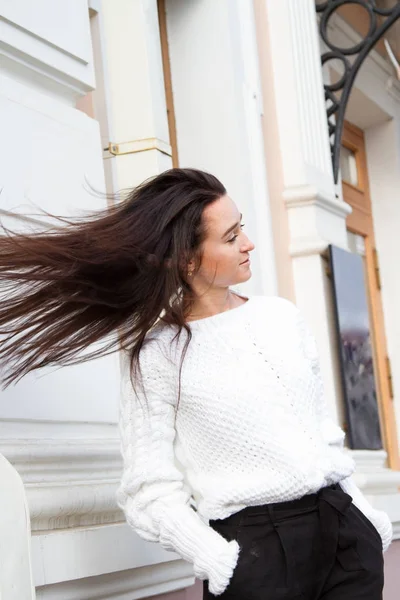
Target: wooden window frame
(169, 97)
(360, 221)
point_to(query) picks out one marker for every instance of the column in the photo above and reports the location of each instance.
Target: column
(136, 110)
(316, 217)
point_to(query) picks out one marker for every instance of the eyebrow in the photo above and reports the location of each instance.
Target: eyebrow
(232, 228)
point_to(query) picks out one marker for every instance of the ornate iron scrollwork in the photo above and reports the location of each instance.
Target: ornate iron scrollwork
(337, 94)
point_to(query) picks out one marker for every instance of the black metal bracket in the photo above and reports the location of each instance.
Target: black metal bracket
(338, 93)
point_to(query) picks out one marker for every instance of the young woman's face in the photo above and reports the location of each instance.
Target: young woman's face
(226, 247)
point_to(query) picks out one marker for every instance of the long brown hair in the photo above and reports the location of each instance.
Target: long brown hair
(106, 277)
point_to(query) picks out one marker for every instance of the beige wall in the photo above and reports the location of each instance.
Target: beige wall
(392, 562)
(280, 227)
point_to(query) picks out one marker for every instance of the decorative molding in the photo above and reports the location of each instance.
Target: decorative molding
(69, 482)
(15, 554)
(307, 246)
(338, 93)
(73, 504)
(308, 237)
(342, 34)
(373, 475)
(308, 195)
(367, 460)
(109, 552)
(396, 531)
(293, 43)
(309, 93)
(77, 459)
(70, 485)
(43, 58)
(45, 429)
(144, 582)
(380, 484)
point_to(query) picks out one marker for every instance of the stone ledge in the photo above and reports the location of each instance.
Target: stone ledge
(100, 557)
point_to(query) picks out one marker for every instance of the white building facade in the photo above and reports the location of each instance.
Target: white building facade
(105, 93)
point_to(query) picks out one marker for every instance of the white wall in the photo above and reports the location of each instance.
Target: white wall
(217, 102)
(383, 154)
(50, 153)
(57, 428)
(58, 150)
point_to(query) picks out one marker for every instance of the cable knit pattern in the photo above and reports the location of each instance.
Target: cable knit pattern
(251, 428)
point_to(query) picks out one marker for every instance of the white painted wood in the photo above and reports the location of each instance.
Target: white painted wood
(16, 581)
(134, 81)
(142, 582)
(58, 150)
(81, 489)
(33, 429)
(299, 95)
(95, 551)
(51, 159)
(50, 38)
(74, 513)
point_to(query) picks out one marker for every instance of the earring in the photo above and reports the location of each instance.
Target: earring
(190, 273)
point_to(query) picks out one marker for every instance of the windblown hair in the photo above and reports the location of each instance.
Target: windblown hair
(107, 277)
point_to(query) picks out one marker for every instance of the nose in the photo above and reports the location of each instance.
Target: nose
(248, 245)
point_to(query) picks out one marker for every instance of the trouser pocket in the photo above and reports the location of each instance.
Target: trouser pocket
(265, 565)
(363, 517)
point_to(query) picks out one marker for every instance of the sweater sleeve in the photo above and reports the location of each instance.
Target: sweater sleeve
(334, 436)
(152, 492)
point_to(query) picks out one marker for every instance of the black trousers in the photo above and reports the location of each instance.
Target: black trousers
(320, 547)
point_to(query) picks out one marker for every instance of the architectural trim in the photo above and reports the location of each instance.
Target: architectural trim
(93, 551)
(305, 204)
(110, 557)
(80, 491)
(124, 585)
(16, 579)
(70, 484)
(337, 94)
(308, 195)
(373, 473)
(379, 483)
(342, 34)
(48, 61)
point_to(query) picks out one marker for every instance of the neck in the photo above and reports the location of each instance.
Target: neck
(212, 303)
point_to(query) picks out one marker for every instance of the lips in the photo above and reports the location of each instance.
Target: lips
(245, 261)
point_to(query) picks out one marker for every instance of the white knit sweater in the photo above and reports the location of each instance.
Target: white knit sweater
(251, 428)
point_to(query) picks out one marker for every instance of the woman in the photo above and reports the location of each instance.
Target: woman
(230, 457)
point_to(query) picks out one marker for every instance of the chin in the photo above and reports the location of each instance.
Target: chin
(243, 277)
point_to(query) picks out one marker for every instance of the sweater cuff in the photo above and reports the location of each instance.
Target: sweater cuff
(383, 525)
(213, 557)
(220, 571)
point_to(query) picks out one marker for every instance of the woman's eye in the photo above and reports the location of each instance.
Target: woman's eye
(235, 236)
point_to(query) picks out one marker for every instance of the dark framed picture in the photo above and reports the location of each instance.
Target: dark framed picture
(355, 349)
